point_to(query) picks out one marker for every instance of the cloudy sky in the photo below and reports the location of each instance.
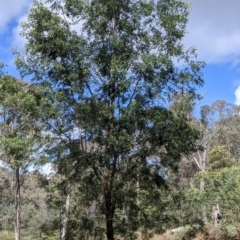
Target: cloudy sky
(213, 29)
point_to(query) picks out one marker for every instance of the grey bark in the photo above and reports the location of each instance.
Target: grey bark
(65, 218)
(17, 206)
(216, 214)
(200, 160)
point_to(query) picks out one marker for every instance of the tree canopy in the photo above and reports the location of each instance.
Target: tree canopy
(111, 81)
(109, 71)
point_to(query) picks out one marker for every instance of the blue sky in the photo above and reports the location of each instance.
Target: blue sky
(213, 29)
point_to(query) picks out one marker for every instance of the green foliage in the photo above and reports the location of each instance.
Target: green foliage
(222, 187)
(6, 200)
(219, 158)
(19, 132)
(17, 112)
(222, 121)
(36, 216)
(107, 87)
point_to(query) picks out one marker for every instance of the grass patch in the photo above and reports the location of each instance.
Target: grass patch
(7, 235)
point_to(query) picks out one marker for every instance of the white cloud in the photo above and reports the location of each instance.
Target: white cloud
(11, 10)
(18, 41)
(237, 96)
(214, 30)
(213, 27)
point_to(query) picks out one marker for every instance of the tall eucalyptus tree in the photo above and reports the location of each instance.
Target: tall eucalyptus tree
(111, 67)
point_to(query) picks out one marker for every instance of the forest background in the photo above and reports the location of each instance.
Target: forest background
(110, 108)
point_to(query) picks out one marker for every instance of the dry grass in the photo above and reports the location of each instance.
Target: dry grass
(210, 232)
(7, 235)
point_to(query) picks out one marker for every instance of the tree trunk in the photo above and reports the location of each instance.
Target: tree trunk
(110, 208)
(216, 214)
(202, 183)
(204, 215)
(65, 218)
(201, 163)
(17, 206)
